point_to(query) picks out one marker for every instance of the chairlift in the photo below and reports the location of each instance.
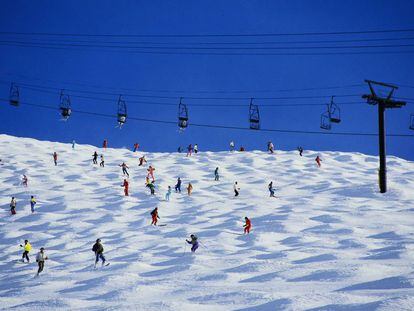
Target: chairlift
(326, 120)
(182, 115)
(412, 122)
(65, 105)
(122, 111)
(254, 117)
(14, 98)
(331, 115)
(335, 112)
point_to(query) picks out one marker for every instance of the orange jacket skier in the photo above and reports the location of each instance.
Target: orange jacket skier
(189, 188)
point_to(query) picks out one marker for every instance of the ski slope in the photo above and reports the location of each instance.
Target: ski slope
(329, 241)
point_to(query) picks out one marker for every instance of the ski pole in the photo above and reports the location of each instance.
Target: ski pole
(185, 247)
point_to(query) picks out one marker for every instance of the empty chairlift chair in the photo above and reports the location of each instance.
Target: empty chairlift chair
(335, 112)
(254, 116)
(14, 98)
(326, 120)
(65, 106)
(331, 115)
(122, 111)
(182, 115)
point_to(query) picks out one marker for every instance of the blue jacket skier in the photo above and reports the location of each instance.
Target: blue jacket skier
(32, 203)
(167, 195)
(178, 185)
(193, 242)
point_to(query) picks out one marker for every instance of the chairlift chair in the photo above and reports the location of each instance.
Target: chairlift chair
(326, 121)
(334, 111)
(14, 98)
(182, 115)
(412, 122)
(65, 106)
(122, 111)
(254, 116)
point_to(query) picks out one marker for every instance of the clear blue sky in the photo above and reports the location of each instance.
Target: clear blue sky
(186, 75)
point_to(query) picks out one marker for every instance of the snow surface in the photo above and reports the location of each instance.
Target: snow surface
(330, 242)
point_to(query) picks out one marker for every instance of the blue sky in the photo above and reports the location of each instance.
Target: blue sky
(114, 71)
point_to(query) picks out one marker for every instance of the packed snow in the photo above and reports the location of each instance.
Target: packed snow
(328, 241)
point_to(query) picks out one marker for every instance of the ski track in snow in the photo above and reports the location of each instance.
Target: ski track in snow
(330, 242)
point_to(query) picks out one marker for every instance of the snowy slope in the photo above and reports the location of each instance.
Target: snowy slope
(329, 242)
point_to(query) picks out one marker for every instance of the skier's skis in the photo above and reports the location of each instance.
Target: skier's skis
(163, 225)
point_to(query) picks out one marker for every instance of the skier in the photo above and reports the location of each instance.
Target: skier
(242, 148)
(189, 150)
(216, 174)
(105, 144)
(55, 158)
(151, 172)
(136, 146)
(13, 204)
(40, 259)
(247, 226)
(270, 147)
(24, 181)
(195, 148)
(300, 149)
(236, 189)
(95, 158)
(152, 187)
(73, 144)
(142, 161)
(167, 195)
(32, 203)
(98, 250)
(178, 185)
(271, 190)
(102, 163)
(126, 187)
(189, 188)
(124, 169)
(318, 161)
(27, 248)
(179, 149)
(155, 217)
(193, 242)
(232, 146)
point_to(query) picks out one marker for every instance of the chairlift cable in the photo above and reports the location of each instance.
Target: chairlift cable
(373, 31)
(198, 48)
(54, 40)
(157, 52)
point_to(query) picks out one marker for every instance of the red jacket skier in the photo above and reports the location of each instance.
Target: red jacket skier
(105, 144)
(136, 146)
(55, 157)
(155, 217)
(126, 187)
(247, 226)
(318, 161)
